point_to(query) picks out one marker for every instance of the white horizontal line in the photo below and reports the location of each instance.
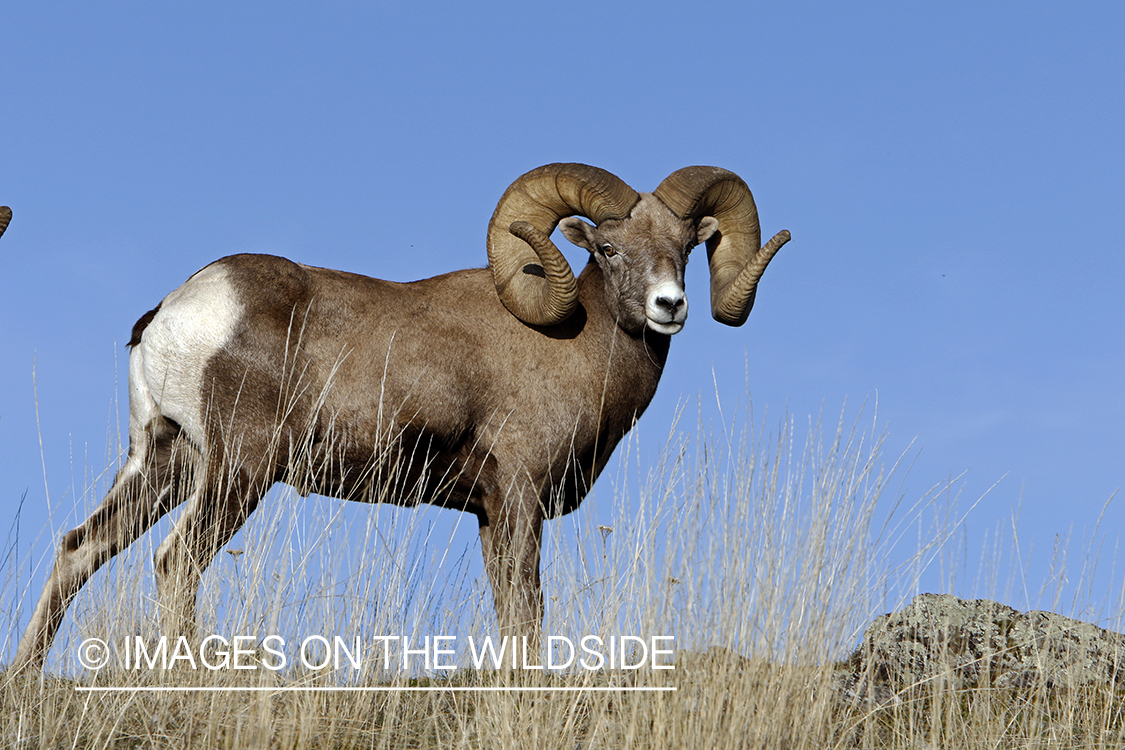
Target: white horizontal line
(388, 689)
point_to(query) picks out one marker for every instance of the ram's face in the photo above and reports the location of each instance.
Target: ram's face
(642, 258)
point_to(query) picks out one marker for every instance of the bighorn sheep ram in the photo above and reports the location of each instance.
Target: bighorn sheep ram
(499, 391)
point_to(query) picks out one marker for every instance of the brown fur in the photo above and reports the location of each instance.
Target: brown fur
(372, 390)
(500, 392)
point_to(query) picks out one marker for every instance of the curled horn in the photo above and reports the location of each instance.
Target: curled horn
(532, 277)
(734, 253)
(5, 218)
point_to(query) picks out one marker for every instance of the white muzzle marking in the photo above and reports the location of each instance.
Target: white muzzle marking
(666, 308)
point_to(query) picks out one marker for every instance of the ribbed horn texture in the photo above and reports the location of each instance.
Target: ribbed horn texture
(734, 253)
(5, 218)
(532, 277)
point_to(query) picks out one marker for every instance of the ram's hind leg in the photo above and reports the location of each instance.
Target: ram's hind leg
(222, 500)
(144, 490)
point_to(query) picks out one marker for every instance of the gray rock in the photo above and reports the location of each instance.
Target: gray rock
(949, 643)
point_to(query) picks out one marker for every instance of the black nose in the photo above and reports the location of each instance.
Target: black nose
(669, 303)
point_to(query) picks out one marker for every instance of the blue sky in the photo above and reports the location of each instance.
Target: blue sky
(952, 175)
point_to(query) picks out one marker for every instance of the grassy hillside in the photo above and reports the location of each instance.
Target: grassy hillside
(764, 557)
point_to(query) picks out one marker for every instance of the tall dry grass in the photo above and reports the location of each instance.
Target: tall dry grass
(764, 549)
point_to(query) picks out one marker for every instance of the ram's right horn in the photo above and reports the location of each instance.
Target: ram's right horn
(532, 277)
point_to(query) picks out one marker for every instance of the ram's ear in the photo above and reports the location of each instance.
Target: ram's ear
(578, 232)
(707, 226)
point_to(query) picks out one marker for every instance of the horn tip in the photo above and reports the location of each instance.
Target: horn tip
(778, 240)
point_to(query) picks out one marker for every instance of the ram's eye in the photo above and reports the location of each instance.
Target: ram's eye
(608, 250)
(687, 248)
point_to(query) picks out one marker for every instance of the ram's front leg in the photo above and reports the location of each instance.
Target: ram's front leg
(511, 533)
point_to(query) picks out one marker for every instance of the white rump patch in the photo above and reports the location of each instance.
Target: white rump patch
(194, 322)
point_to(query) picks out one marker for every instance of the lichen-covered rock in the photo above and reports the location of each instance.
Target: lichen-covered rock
(946, 642)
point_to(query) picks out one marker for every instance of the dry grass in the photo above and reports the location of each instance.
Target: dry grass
(765, 559)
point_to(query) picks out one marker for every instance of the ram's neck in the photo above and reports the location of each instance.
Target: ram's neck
(650, 346)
